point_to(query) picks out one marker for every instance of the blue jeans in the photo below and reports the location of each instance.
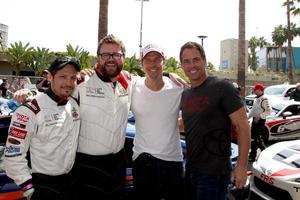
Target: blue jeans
(206, 187)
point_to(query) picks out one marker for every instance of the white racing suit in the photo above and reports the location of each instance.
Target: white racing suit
(261, 109)
(49, 128)
(100, 161)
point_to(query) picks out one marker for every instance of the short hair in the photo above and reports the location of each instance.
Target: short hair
(111, 39)
(192, 45)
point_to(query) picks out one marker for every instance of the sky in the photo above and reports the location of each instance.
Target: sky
(170, 23)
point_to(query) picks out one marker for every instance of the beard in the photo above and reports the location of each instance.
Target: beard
(111, 69)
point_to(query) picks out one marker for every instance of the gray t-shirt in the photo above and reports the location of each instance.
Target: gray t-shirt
(205, 112)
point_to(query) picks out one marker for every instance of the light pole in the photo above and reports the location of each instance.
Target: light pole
(141, 27)
(202, 37)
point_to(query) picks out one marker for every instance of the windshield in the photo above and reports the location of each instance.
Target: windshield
(277, 107)
(274, 90)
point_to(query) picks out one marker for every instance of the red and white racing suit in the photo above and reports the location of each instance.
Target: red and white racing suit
(50, 129)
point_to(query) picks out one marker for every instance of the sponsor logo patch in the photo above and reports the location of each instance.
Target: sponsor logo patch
(94, 92)
(13, 141)
(17, 124)
(12, 150)
(74, 112)
(18, 133)
(22, 118)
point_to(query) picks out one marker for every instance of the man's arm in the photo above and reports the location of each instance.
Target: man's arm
(239, 119)
(18, 141)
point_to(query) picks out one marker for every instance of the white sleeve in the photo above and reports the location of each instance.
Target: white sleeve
(267, 109)
(21, 129)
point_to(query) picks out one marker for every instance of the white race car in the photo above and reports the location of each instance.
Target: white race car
(284, 122)
(276, 172)
(273, 92)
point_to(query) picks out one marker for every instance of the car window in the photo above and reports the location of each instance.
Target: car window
(274, 90)
(294, 109)
(276, 107)
(288, 93)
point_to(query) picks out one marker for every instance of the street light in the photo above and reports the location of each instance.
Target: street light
(202, 37)
(141, 28)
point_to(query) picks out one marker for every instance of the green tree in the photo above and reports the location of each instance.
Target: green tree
(39, 59)
(262, 42)
(279, 37)
(80, 54)
(171, 65)
(289, 6)
(133, 66)
(19, 55)
(253, 44)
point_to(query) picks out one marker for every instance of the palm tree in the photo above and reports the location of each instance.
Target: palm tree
(19, 55)
(253, 44)
(289, 4)
(262, 42)
(171, 65)
(40, 60)
(103, 19)
(279, 37)
(133, 66)
(242, 45)
(80, 54)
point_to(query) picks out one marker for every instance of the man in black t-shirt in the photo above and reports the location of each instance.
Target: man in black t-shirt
(209, 108)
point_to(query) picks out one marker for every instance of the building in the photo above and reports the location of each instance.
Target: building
(269, 58)
(3, 36)
(229, 54)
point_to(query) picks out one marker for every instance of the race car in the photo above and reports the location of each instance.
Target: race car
(276, 172)
(284, 122)
(273, 93)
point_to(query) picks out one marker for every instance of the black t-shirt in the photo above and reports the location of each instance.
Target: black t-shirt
(205, 112)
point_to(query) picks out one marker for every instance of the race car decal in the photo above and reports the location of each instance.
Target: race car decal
(266, 178)
(286, 172)
(288, 157)
(284, 127)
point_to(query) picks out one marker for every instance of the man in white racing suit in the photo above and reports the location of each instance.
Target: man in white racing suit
(49, 127)
(104, 104)
(260, 110)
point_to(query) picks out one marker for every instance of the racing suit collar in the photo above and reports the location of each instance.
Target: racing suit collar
(120, 78)
(59, 100)
(259, 95)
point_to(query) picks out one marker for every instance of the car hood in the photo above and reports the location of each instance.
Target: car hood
(281, 159)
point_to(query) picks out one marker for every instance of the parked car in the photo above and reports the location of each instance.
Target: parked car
(276, 172)
(273, 92)
(284, 122)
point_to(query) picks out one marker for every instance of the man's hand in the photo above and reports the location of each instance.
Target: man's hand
(178, 80)
(23, 95)
(239, 176)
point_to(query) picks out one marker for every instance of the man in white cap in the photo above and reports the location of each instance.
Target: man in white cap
(157, 154)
